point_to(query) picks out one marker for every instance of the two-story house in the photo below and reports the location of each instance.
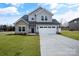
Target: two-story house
(39, 18)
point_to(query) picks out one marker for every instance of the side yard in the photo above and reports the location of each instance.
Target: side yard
(71, 34)
(15, 45)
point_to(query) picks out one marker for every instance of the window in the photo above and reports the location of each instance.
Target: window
(32, 18)
(23, 28)
(53, 26)
(35, 15)
(42, 18)
(41, 27)
(45, 17)
(75, 21)
(19, 28)
(49, 27)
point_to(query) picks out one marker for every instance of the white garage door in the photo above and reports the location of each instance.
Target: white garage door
(47, 30)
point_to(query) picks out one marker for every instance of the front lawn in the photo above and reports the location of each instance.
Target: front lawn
(71, 34)
(15, 45)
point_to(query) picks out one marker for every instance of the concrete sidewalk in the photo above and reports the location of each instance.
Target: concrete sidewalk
(57, 45)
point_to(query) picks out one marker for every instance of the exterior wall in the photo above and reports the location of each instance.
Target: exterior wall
(74, 26)
(38, 16)
(44, 25)
(21, 24)
(44, 13)
(31, 16)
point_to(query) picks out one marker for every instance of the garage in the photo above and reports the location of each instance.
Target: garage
(47, 30)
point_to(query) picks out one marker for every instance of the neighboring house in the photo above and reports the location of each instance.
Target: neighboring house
(74, 24)
(39, 18)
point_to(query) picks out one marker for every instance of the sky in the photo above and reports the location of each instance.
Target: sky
(63, 12)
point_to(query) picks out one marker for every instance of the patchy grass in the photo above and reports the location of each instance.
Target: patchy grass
(71, 34)
(19, 45)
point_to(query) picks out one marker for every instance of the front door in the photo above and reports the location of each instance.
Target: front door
(32, 30)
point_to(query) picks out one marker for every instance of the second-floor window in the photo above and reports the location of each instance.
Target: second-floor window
(46, 18)
(32, 18)
(42, 18)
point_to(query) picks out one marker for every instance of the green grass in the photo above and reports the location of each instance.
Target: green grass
(71, 34)
(19, 45)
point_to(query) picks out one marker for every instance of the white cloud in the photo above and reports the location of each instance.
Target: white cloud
(8, 20)
(68, 16)
(53, 5)
(73, 5)
(54, 11)
(71, 15)
(10, 10)
(17, 4)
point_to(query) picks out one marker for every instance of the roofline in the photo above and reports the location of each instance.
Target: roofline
(57, 21)
(48, 11)
(41, 8)
(73, 20)
(20, 20)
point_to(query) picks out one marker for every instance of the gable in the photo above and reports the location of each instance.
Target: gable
(21, 22)
(38, 10)
(44, 12)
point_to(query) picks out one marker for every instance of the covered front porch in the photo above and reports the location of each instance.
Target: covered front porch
(32, 29)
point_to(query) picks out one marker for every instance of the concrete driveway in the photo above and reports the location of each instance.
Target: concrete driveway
(57, 45)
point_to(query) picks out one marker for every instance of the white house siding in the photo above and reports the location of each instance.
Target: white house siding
(21, 24)
(38, 16)
(45, 25)
(44, 13)
(31, 16)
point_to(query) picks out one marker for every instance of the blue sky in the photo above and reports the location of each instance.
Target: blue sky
(11, 12)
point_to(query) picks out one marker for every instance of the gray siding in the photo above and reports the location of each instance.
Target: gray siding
(73, 25)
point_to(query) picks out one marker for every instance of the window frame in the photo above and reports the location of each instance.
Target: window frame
(41, 26)
(45, 26)
(23, 28)
(49, 26)
(46, 18)
(32, 18)
(42, 18)
(19, 28)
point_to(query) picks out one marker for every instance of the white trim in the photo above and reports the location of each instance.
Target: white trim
(20, 20)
